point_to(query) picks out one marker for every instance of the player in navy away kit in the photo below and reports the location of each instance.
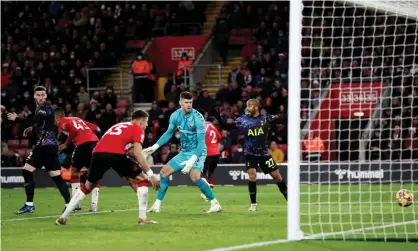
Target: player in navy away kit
(255, 128)
(45, 152)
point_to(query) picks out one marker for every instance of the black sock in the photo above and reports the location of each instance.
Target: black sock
(29, 185)
(283, 188)
(252, 189)
(62, 187)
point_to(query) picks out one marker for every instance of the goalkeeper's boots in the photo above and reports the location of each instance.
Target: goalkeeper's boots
(253, 207)
(154, 209)
(214, 208)
(146, 222)
(26, 209)
(203, 197)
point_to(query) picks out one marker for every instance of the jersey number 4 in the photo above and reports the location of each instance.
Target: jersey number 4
(213, 135)
(117, 129)
(80, 125)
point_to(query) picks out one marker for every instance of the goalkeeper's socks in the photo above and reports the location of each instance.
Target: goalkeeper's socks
(164, 181)
(205, 189)
(252, 189)
(283, 188)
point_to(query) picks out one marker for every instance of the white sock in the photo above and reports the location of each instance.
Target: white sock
(75, 200)
(74, 188)
(29, 203)
(142, 193)
(95, 197)
(214, 202)
(157, 203)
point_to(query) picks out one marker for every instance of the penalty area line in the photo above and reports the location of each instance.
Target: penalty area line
(73, 214)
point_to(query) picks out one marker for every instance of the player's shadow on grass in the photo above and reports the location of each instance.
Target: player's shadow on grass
(414, 240)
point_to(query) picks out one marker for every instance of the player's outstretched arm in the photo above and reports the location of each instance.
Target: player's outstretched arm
(144, 165)
(164, 138)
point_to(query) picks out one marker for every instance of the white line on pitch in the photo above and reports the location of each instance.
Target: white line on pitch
(311, 237)
(318, 236)
(250, 245)
(74, 214)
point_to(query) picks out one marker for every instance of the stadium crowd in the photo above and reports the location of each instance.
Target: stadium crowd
(52, 43)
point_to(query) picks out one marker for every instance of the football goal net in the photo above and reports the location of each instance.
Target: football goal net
(353, 103)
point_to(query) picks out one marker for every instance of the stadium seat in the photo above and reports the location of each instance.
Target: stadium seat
(234, 149)
(282, 147)
(22, 152)
(122, 103)
(24, 143)
(13, 144)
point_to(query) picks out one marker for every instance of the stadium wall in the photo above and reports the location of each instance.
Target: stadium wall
(235, 174)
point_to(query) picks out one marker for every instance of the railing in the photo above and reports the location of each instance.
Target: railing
(96, 77)
(178, 29)
(198, 72)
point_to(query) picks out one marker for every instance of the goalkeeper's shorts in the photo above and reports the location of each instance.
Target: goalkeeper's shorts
(175, 162)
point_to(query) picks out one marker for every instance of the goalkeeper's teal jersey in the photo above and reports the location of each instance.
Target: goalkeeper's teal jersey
(192, 128)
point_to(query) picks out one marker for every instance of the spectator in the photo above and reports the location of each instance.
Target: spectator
(110, 97)
(83, 96)
(276, 153)
(108, 118)
(172, 153)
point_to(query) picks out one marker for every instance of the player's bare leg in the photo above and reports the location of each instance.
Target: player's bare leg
(252, 188)
(203, 185)
(165, 173)
(280, 182)
(75, 200)
(75, 183)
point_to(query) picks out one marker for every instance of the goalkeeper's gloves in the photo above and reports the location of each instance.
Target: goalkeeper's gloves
(150, 150)
(188, 164)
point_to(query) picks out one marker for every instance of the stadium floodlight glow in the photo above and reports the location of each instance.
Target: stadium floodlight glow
(353, 69)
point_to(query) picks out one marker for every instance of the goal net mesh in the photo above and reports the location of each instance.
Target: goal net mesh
(359, 117)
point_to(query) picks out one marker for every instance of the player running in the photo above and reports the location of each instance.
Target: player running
(255, 127)
(213, 136)
(191, 125)
(45, 152)
(111, 152)
(83, 134)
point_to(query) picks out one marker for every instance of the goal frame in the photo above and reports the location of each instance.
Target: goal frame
(294, 232)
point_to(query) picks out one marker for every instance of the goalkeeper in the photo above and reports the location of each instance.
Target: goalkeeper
(192, 127)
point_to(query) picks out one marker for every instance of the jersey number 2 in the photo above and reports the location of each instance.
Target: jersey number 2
(213, 135)
(116, 130)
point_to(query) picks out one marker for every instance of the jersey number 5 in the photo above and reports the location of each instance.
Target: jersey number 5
(213, 135)
(116, 129)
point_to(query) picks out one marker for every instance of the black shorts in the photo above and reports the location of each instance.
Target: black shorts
(211, 163)
(82, 155)
(101, 162)
(46, 156)
(265, 163)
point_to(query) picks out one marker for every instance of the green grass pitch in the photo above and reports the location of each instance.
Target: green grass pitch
(183, 224)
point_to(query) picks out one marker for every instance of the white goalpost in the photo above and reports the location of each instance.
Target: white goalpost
(353, 87)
